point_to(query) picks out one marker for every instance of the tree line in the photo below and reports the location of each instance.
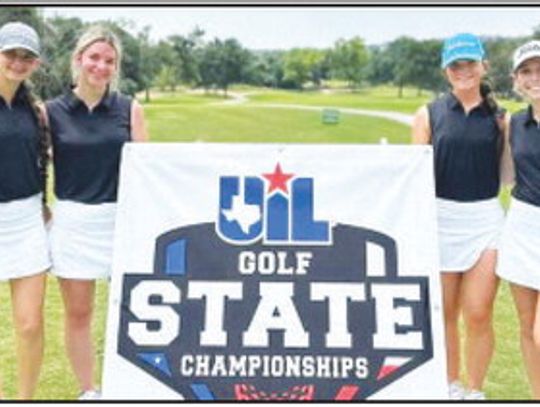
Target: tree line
(214, 64)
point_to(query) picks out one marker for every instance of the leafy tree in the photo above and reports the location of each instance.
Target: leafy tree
(166, 76)
(24, 14)
(348, 60)
(301, 65)
(209, 65)
(403, 52)
(499, 52)
(425, 71)
(58, 45)
(321, 69)
(406, 61)
(185, 55)
(265, 68)
(380, 68)
(222, 63)
(149, 62)
(234, 60)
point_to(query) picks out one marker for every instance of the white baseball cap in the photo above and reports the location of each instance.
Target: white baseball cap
(19, 35)
(527, 51)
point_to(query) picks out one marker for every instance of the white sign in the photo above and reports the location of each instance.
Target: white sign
(275, 272)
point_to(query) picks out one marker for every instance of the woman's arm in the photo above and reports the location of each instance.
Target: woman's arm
(421, 131)
(138, 125)
(507, 163)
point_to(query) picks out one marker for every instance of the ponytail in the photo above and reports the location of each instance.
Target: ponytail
(486, 92)
(496, 110)
(43, 141)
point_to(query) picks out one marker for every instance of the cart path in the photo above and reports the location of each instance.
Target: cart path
(242, 98)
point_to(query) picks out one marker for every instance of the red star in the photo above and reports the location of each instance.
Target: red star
(278, 180)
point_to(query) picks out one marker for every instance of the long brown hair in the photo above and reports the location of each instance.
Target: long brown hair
(44, 140)
(498, 112)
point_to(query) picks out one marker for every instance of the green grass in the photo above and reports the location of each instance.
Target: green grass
(257, 124)
(513, 106)
(57, 381)
(182, 99)
(506, 378)
(191, 117)
(382, 98)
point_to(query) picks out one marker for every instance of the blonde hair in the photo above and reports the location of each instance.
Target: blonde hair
(96, 33)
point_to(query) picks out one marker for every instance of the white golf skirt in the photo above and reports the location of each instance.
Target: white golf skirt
(519, 254)
(466, 229)
(81, 239)
(24, 247)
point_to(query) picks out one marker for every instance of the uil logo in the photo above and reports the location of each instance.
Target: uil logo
(269, 302)
(277, 207)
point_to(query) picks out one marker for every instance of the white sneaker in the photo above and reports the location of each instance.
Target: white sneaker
(474, 395)
(90, 395)
(456, 391)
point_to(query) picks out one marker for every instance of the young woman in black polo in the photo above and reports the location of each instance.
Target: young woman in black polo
(24, 257)
(89, 125)
(519, 258)
(465, 128)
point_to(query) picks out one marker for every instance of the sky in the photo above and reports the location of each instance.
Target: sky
(318, 27)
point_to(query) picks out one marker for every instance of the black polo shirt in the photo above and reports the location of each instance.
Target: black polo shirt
(19, 149)
(525, 143)
(87, 146)
(466, 149)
